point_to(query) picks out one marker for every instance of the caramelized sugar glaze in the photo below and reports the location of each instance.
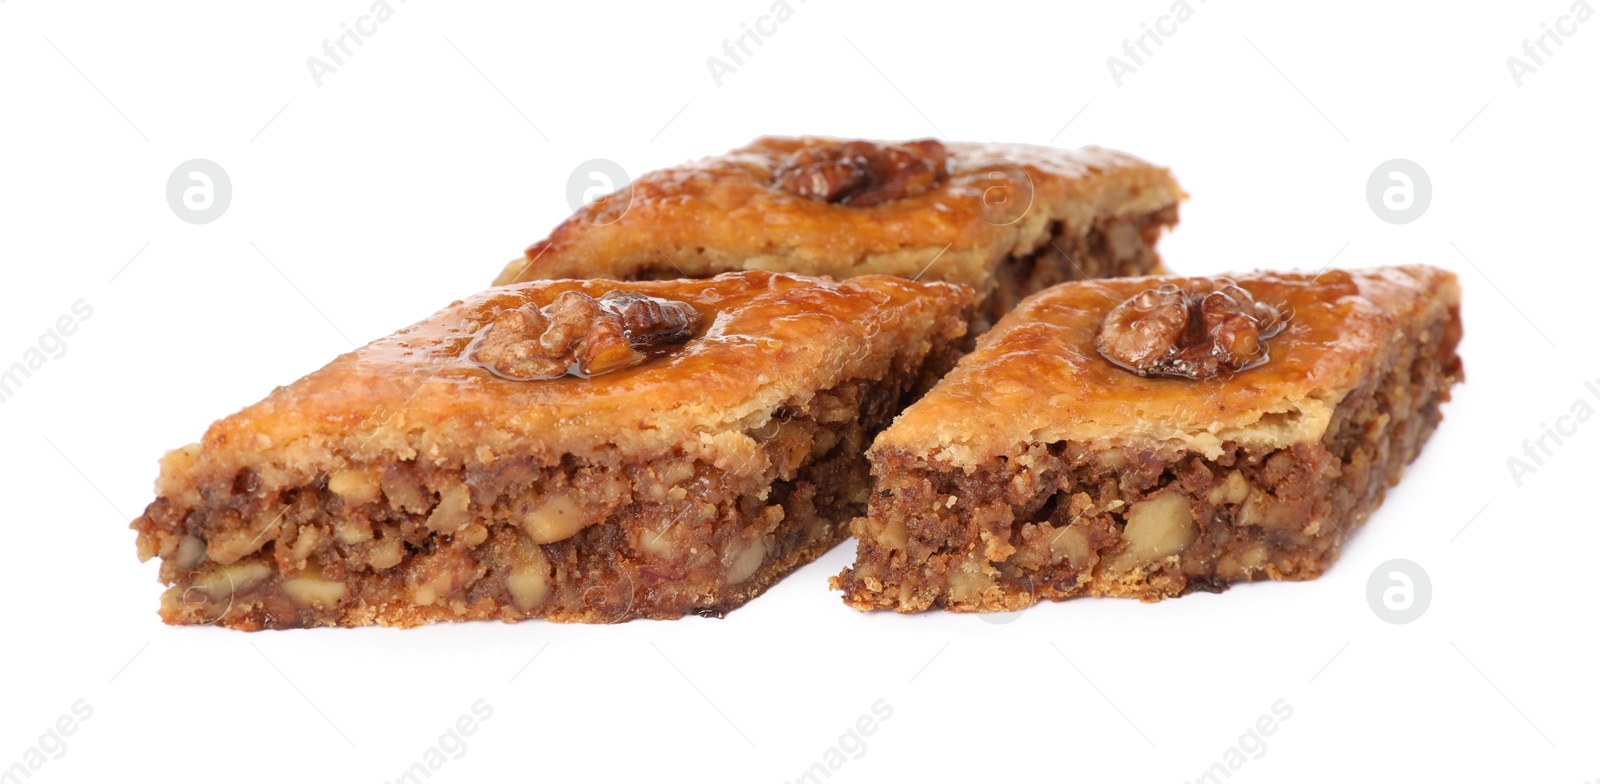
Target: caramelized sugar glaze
(924, 209)
(1039, 375)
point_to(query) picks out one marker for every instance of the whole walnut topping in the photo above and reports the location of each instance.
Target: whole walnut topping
(862, 174)
(580, 333)
(1201, 332)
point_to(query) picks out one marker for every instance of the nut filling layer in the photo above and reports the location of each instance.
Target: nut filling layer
(1114, 247)
(593, 541)
(1200, 332)
(515, 539)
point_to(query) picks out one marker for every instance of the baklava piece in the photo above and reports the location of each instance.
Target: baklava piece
(576, 450)
(1150, 437)
(1007, 220)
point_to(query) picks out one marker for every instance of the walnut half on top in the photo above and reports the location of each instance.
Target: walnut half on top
(582, 334)
(863, 174)
(1199, 332)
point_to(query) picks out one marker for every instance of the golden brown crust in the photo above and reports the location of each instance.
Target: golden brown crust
(1037, 376)
(728, 213)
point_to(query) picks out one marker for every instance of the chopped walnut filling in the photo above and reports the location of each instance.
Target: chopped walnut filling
(863, 174)
(580, 333)
(1201, 332)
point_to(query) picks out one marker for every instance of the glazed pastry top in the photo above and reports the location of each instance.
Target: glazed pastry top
(840, 208)
(717, 357)
(1040, 376)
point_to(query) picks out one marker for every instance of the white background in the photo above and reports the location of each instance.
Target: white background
(443, 147)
